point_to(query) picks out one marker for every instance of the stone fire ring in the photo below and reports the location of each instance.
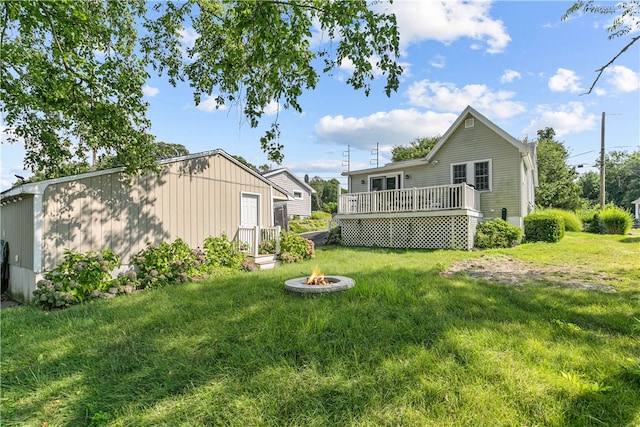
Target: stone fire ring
(336, 284)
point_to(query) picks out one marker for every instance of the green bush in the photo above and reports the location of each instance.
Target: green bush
(571, 220)
(543, 227)
(497, 233)
(294, 248)
(306, 225)
(221, 253)
(595, 225)
(616, 220)
(334, 237)
(76, 278)
(330, 207)
(320, 215)
(167, 263)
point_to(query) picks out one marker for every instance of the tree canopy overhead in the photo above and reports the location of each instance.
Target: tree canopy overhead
(72, 72)
(626, 20)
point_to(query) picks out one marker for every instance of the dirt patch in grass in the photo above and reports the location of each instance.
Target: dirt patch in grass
(506, 270)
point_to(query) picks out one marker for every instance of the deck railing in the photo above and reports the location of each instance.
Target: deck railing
(456, 196)
(254, 239)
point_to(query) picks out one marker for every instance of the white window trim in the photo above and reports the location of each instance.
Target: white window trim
(397, 174)
(296, 197)
(471, 176)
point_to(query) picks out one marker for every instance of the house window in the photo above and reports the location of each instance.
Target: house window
(481, 176)
(386, 182)
(297, 194)
(476, 173)
(459, 174)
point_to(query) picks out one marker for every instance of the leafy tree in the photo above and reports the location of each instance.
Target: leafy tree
(160, 150)
(627, 20)
(71, 82)
(71, 75)
(326, 193)
(418, 148)
(557, 181)
(590, 184)
(246, 163)
(622, 178)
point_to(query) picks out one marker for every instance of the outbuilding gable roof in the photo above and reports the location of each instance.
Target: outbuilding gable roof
(300, 182)
(39, 186)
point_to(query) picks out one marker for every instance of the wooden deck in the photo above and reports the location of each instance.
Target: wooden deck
(424, 199)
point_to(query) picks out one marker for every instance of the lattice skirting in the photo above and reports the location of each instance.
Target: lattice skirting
(435, 232)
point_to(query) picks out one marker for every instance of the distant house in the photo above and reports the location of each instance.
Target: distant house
(475, 172)
(636, 205)
(193, 197)
(300, 192)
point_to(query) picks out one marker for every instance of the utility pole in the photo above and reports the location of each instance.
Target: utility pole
(347, 154)
(602, 171)
(376, 153)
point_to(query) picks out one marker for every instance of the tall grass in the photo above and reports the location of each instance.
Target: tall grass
(405, 346)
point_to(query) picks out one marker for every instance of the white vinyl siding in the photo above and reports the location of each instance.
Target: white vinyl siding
(301, 203)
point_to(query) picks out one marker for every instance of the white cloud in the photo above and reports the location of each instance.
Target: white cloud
(272, 108)
(444, 96)
(396, 127)
(188, 36)
(450, 20)
(509, 76)
(210, 104)
(438, 62)
(150, 91)
(622, 78)
(566, 119)
(565, 81)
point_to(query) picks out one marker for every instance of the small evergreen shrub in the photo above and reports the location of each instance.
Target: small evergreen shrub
(571, 220)
(543, 227)
(294, 248)
(595, 225)
(616, 220)
(334, 237)
(497, 233)
(76, 278)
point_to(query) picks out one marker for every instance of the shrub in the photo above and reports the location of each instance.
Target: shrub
(306, 225)
(76, 278)
(334, 237)
(595, 225)
(616, 220)
(295, 248)
(330, 207)
(221, 253)
(167, 263)
(571, 221)
(497, 233)
(543, 227)
(321, 215)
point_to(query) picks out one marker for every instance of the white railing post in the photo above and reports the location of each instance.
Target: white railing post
(277, 239)
(256, 240)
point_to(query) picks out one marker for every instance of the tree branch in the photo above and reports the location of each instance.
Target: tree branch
(604, 67)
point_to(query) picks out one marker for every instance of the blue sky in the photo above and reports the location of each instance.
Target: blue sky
(515, 62)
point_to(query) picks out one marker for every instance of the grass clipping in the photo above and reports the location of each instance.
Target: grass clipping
(506, 270)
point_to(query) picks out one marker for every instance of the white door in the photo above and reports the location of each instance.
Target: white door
(249, 210)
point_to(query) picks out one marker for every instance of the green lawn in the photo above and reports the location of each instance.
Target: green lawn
(405, 346)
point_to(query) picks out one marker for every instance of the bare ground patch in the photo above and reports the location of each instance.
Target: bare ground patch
(507, 270)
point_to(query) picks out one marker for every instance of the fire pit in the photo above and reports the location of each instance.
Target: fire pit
(318, 283)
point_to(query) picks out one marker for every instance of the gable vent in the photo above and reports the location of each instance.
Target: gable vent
(469, 123)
